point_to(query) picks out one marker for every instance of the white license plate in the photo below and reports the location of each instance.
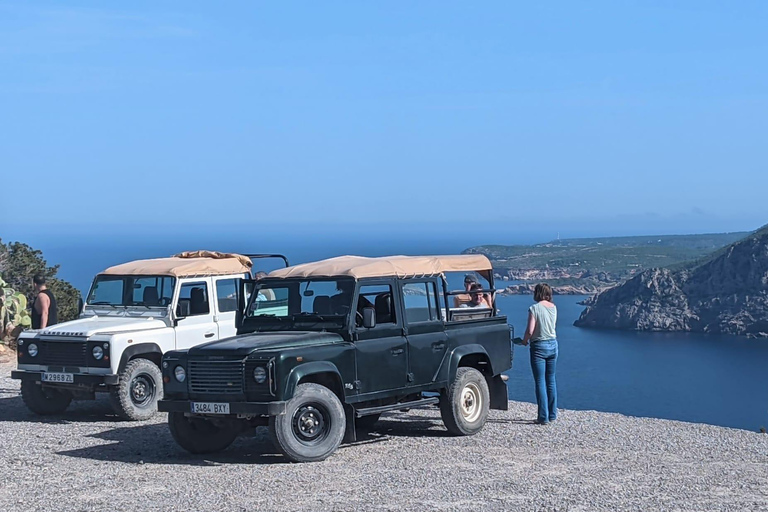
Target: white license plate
(58, 377)
(209, 408)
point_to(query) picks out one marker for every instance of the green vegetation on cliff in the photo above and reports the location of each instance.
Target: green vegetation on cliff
(618, 256)
(20, 262)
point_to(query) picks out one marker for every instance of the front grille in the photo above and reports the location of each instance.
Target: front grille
(63, 353)
(216, 377)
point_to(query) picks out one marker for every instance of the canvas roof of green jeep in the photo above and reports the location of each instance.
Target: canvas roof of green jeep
(388, 266)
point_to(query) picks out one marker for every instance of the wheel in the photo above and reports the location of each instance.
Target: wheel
(141, 386)
(464, 406)
(201, 435)
(44, 401)
(313, 424)
(367, 422)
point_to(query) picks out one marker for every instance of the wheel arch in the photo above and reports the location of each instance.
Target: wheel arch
(319, 372)
(472, 355)
(150, 351)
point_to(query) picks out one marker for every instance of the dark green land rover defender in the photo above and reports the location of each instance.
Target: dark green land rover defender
(325, 347)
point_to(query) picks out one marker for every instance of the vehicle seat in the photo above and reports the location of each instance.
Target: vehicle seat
(150, 297)
(383, 305)
(322, 305)
(198, 304)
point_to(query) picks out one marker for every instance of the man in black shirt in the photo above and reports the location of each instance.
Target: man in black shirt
(44, 311)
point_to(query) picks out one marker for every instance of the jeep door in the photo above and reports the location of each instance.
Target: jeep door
(382, 351)
(425, 331)
(198, 326)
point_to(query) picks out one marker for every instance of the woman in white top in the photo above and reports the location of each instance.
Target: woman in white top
(542, 318)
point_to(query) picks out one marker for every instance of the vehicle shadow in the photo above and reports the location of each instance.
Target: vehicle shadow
(14, 410)
(153, 444)
(404, 425)
(518, 421)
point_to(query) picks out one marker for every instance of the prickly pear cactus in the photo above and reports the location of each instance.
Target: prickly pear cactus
(13, 313)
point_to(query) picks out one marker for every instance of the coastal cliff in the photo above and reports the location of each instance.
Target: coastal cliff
(726, 292)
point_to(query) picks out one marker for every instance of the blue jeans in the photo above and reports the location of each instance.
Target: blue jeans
(543, 363)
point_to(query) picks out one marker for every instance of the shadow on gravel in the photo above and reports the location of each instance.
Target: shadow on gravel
(518, 421)
(405, 425)
(14, 410)
(153, 444)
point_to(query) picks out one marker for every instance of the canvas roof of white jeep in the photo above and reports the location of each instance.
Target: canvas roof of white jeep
(186, 264)
(388, 266)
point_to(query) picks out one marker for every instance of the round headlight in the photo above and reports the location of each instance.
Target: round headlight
(180, 374)
(97, 352)
(32, 350)
(259, 375)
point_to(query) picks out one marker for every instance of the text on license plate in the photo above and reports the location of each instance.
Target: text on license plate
(210, 408)
(58, 377)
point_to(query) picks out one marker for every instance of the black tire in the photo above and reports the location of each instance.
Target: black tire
(313, 425)
(464, 405)
(140, 387)
(367, 422)
(44, 401)
(201, 435)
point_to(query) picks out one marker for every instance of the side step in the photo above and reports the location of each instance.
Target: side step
(394, 407)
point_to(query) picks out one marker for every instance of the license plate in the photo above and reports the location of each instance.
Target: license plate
(58, 377)
(209, 408)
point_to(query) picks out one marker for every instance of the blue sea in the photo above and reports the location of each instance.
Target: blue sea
(719, 380)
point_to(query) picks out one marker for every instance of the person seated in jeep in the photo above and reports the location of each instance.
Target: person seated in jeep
(477, 298)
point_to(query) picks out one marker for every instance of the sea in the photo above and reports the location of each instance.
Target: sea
(719, 380)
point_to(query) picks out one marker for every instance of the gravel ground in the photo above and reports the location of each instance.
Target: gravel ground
(88, 460)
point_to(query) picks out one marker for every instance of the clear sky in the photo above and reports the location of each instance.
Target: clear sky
(583, 118)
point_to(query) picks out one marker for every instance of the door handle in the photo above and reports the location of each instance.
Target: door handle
(397, 351)
(439, 345)
(209, 334)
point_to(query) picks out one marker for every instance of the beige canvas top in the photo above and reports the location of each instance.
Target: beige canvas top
(186, 264)
(388, 266)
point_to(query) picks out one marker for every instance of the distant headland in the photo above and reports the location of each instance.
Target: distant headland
(714, 283)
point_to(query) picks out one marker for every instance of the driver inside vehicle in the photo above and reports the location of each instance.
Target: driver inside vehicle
(341, 302)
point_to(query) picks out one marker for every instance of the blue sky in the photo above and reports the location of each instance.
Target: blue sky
(578, 118)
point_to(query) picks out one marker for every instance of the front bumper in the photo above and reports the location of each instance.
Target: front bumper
(79, 378)
(255, 408)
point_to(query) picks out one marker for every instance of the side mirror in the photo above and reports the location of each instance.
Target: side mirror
(182, 309)
(79, 305)
(369, 318)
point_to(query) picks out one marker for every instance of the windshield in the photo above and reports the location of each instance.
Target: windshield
(147, 291)
(292, 302)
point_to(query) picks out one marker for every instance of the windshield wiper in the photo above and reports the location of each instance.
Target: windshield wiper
(105, 303)
(304, 315)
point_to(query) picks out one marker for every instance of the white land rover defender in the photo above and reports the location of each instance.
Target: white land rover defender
(134, 313)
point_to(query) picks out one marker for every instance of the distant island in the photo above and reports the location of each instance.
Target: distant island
(586, 266)
(725, 292)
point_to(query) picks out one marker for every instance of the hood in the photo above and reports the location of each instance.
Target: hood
(102, 324)
(247, 344)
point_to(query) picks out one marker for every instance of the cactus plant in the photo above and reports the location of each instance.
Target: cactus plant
(13, 313)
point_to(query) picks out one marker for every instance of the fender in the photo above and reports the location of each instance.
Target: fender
(448, 372)
(311, 368)
(133, 350)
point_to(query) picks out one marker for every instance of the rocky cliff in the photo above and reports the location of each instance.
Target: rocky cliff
(726, 292)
